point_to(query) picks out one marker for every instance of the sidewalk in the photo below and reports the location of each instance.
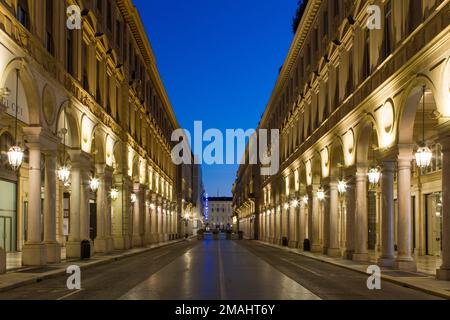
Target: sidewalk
(415, 280)
(27, 275)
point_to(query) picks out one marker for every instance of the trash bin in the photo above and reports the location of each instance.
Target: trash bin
(85, 250)
(284, 241)
(306, 245)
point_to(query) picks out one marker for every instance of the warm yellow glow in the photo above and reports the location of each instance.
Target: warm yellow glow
(308, 173)
(325, 159)
(348, 140)
(287, 186)
(109, 151)
(130, 161)
(86, 134)
(297, 180)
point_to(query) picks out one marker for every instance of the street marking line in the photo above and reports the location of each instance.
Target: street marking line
(301, 267)
(223, 293)
(70, 294)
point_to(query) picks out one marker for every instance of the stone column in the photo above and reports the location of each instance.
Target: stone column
(85, 210)
(148, 219)
(387, 215)
(34, 250)
(314, 215)
(333, 226)
(73, 249)
(53, 248)
(100, 242)
(121, 208)
(154, 218)
(293, 221)
(108, 217)
(301, 222)
(361, 216)
(405, 260)
(138, 240)
(350, 201)
(443, 273)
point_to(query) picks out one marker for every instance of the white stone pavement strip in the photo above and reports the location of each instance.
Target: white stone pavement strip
(423, 282)
(25, 276)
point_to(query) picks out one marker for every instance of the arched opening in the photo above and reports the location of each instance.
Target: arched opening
(418, 124)
(367, 186)
(337, 175)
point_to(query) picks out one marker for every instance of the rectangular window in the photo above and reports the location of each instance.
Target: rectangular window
(69, 52)
(387, 29)
(49, 27)
(23, 13)
(85, 59)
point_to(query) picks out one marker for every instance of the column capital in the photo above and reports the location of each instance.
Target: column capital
(40, 138)
(80, 159)
(405, 152)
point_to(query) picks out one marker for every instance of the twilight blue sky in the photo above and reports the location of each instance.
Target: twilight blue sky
(219, 60)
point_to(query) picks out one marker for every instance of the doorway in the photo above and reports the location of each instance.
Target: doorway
(8, 216)
(433, 203)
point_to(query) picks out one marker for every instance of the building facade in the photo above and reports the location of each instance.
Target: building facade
(191, 197)
(220, 213)
(355, 106)
(89, 110)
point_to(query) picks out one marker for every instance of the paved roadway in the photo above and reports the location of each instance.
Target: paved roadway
(215, 270)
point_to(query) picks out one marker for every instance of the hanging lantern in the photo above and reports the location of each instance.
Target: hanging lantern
(15, 157)
(114, 194)
(294, 203)
(423, 154)
(64, 174)
(342, 187)
(374, 176)
(286, 206)
(15, 153)
(94, 184)
(133, 198)
(423, 157)
(305, 200)
(320, 194)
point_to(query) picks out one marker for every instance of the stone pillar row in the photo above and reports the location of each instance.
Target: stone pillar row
(120, 224)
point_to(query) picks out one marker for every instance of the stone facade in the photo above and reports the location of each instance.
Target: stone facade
(91, 98)
(348, 100)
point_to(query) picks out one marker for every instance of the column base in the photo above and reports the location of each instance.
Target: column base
(405, 265)
(34, 254)
(53, 252)
(153, 238)
(73, 249)
(101, 245)
(360, 257)
(138, 241)
(334, 252)
(122, 242)
(147, 239)
(348, 254)
(443, 274)
(109, 244)
(316, 248)
(386, 261)
(293, 244)
(2, 261)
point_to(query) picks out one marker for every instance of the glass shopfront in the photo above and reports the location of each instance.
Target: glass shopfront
(8, 216)
(433, 204)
